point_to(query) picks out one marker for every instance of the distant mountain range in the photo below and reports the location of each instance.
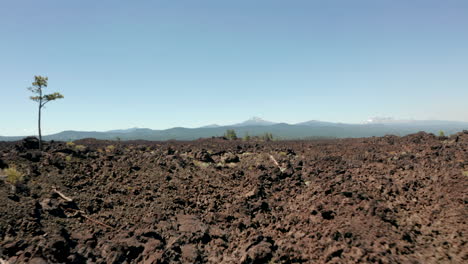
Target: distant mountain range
(257, 126)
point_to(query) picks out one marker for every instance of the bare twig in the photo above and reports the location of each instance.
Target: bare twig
(82, 214)
(171, 243)
(96, 221)
(62, 195)
(274, 161)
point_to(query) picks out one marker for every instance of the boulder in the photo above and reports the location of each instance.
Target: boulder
(260, 253)
(3, 165)
(230, 158)
(203, 156)
(34, 155)
(30, 143)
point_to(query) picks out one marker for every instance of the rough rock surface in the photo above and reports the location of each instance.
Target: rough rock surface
(378, 200)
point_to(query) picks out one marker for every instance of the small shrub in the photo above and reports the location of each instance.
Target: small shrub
(68, 158)
(441, 134)
(201, 164)
(13, 176)
(230, 134)
(80, 147)
(70, 144)
(110, 148)
(267, 137)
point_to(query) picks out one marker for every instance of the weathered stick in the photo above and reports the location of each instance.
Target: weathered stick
(82, 214)
(62, 195)
(96, 221)
(276, 163)
(68, 199)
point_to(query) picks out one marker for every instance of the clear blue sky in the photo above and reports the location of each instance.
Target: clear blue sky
(167, 63)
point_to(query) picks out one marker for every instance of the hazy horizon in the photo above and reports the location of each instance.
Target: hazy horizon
(375, 120)
(163, 64)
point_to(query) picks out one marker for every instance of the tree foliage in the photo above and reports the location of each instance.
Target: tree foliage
(38, 85)
(267, 137)
(230, 134)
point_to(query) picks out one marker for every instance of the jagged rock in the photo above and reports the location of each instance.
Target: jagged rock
(230, 158)
(259, 253)
(33, 156)
(3, 164)
(30, 143)
(203, 156)
(342, 201)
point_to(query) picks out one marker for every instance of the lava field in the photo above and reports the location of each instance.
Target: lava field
(368, 200)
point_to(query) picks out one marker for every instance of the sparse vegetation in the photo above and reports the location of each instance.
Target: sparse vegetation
(230, 134)
(201, 164)
(267, 137)
(246, 136)
(72, 145)
(441, 133)
(40, 83)
(13, 176)
(110, 148)
(225, 178)
(80, 147)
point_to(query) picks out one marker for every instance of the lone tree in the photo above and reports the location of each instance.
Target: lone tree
(230, 134)
(40, 83)
(268, 137)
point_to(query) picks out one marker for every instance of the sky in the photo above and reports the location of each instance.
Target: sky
(169, 63)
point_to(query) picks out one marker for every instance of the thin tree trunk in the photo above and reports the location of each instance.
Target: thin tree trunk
(39, 119)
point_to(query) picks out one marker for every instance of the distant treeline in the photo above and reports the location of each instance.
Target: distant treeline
(231, 135)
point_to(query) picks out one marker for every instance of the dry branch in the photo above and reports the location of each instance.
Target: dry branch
(68, 199)
(81, 213)
(96, 221)
(276, 163)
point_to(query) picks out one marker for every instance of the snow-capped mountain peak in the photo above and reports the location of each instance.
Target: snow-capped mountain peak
(255, 121)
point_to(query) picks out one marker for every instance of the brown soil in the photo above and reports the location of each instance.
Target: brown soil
(379, 200)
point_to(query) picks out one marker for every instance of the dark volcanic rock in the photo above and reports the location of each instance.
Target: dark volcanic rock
(230, 158)
(34, 155)
(259, 253)
(3, 164)
(372, 200)
(30, 143)
(204, 156)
